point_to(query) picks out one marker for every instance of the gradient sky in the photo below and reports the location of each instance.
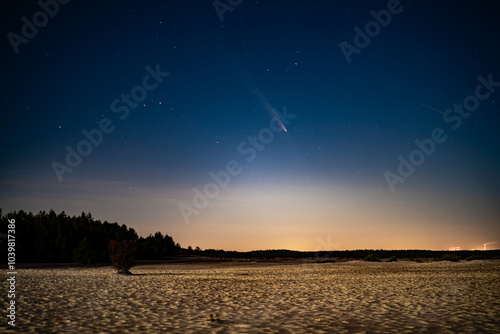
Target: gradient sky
(320, 185)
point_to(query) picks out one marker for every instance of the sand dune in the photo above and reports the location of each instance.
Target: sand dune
(402, 297)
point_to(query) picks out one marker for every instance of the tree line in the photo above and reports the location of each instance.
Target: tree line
(359, 254)
(59, 238)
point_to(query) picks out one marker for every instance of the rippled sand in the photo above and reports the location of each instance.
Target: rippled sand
(402, 297)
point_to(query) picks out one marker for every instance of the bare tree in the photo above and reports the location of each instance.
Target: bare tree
(122, 255)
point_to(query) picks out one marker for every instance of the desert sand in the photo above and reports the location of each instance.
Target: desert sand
(348, 297)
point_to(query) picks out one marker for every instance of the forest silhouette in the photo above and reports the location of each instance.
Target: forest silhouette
(59, 238)
(48, 237)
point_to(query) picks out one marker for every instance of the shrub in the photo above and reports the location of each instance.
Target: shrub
(122, 255)
(371, 257)
(393, 258)
(212, 319)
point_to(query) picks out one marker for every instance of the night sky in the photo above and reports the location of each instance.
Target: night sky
(307, 125)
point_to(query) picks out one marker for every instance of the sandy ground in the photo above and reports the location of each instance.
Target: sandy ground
(350, 297)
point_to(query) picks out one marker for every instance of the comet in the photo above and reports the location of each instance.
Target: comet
(271, 110)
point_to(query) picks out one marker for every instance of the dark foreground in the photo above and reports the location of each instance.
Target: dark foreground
(347, 297)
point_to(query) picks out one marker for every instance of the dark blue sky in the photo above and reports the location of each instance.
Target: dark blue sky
(325, 176)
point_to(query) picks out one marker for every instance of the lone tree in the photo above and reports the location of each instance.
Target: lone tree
(122, 255)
